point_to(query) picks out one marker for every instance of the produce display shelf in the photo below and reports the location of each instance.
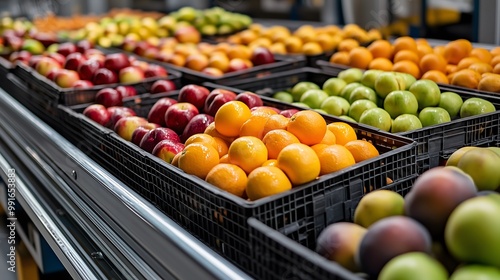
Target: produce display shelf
(218, 218)
(433, 143)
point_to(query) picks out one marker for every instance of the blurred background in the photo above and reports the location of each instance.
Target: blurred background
(475, 20)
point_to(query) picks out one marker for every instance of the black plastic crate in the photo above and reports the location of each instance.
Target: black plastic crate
(218, 218)
(434, 142)
(53, 94)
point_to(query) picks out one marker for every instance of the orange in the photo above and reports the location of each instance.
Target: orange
(210, 130)
(450, 68)
(224, 159)
(381, 48)
(466, 78)
(481, 67)
(239, 51)
(495, 51)
(436, 76)
(263, 111)
(454, 51)
(299, 162)
(221, 146)
(275, 122)
(483, 54)
(333, 158)
(347, 45)
(309, 126)
(344, 133)
(407, 66)
(228, 177)
(266, 181)
(276, 140)
(490, 82)
(360, 57)
(496, 69)
(439, 50)
(361, 150)
(230, 117)
(432, 61)
(404, 43)
(270, 162)
(422, 42)
(198, 159)
(247, 152)
(175, 160)
(340, 58)
(406, 55)
(329, 138)
(381, 63)
(423, 50)
(254, 126)
(495, 60)
(201, 138)
(466, 62)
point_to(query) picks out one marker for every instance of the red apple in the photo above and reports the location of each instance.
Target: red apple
(289, 112)
(197, 124)
(267, 107)
(67, 48)
(33, 61)
(141, 47)
(46, 39)
(116, 61)
(59, 57)
(14, 42)
(84, 45)
(178, 115)
(108, 97)
(66, 78)
(167, 149)
(194, 94)
(141, 131)
(88, 68)
(128, 45)
(118, 112)
(216, 99)
(82, 84)
(98, 113)
(104, 76)
(91, 52)
(212, 71)
(155, 70)
(139, 63)
(52, 74)
(125, 126)
(96, 56)
(187, 34)
(74, 60)
(151, 53)
(157, 112)
(22, 56)
(131, 74)
(250, 98)
(156, 135)
(237, 64)
(261, 55)
(162, 86)
(45, 64)
(126, 91)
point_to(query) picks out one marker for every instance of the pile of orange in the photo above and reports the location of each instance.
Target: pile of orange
(254, 154)
(457, 62)
(306, 39)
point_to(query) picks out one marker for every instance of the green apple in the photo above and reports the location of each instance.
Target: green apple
(457, 155)
(413, 266)
(346, 91)
(400, 102)
(362, 92)
(409, 79)
(301, 87)
(313, 98)
(347, 118)
(283, 96)
(433, 115)
(482, 165)
(369, 77)
(472, 231)
(377, 117)
(476, 106)
(359, 106)
(321, 111)
(405, 122)
(35, 47)
(387, 82)
(335, 105)
(351, 75)
(451, 102)
(302, 105)
(334, 86)
(476, 271)
(52, 48)
(427, 93)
